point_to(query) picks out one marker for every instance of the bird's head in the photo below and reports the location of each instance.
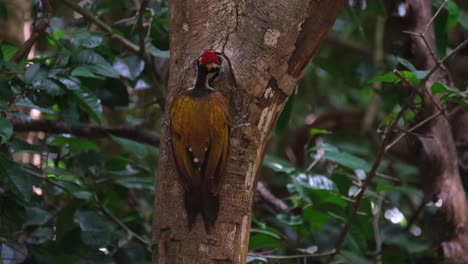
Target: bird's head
(209, 66)
(210, 60)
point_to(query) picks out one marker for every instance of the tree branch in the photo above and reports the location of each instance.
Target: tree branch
(88, 131)
(38, 31)
(137, 49)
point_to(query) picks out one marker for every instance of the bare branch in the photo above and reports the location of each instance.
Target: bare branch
(38, 31)
(88, 131)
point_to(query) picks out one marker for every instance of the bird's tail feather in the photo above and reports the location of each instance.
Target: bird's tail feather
(198, 200)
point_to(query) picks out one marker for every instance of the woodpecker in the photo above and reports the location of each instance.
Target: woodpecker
(200, 126)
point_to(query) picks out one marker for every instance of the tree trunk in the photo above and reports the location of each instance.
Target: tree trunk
(267, 46)
(434, 146)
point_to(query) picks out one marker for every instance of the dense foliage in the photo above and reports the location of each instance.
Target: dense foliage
(87, 198)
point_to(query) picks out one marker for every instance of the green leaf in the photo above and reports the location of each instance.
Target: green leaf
(453, 15)
(13, 252)
(265, 241)
(315, 218)
(36, 216)
(95, 232)
(26, 102)
(348, 160)
(290, 220)
(73, 143)
(463, 19)
(144, 152)
(84, 71)
(8, 51)
(94, 62)
(389, 77)
(20, 179)
(317, 182)
(129, 67)
(407, 64)
(6, 130)
(277, 164)
(316, 131)
(88, 101)
(267, 231)
(308, 250)
(35, 73)
(137, 183)
(40, 235)
(285, 115)
(441, 36)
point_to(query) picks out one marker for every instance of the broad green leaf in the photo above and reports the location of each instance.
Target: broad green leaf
(13, 253)
(386, 78)
(137, 183)
(36, 216)
(157, 52)
(463, 19)
(145, 153)
(47, 85)
(19, 178)
(8, 51)
(89, 102)
(315, 218)
(6, 130)
(267, 231)
(84, 71)
(35, 73)
(407, 64)
(94, 62)
(317, 182)
(40, 235)
(264, 241)
(26, 102)
(308, 250)
(291, 220)
(95, 231)
(453, 15)
(277, 164)
(129, 67)
(348, 160)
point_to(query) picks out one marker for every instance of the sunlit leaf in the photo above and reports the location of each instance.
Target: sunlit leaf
(277, 164)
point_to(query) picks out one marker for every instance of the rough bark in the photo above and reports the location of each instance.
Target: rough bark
(267, 46)
(435, 147)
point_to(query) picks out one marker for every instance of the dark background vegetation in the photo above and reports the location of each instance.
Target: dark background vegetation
(77, 182)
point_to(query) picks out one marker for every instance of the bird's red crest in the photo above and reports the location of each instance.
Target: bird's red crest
(209, 57)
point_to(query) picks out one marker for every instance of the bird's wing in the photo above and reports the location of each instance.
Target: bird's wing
(217, 152)
(180, 146)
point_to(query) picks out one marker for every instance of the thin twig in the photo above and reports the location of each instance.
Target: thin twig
(137, 49)
(389, 146)
(271, 198)
(324, 254)
(130, 233)
(44, 178)
(89, 131)
(366, 183)
(38, 31)
(80, 10)
(149, 65)
(434, 16)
